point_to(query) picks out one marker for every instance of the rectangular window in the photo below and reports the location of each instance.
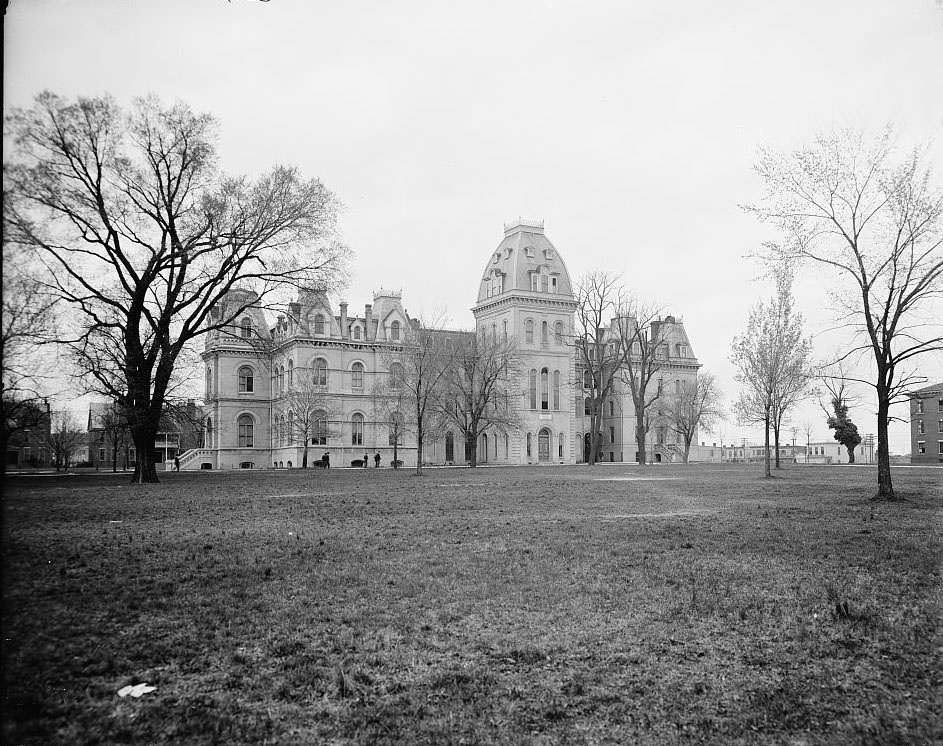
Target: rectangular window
(919, 406)
(921, 447)
(101, 454)
(939, 404)
(940, 444)
(357, 377)
(920, 427)
(132, 455)
(610, 407)
(941, 427)
(534, 282)
(612, 434)
(553, 289)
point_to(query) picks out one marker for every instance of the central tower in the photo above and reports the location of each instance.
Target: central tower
(526, 295)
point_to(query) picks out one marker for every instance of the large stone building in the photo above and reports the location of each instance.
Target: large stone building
(254, 372)
(926, 425)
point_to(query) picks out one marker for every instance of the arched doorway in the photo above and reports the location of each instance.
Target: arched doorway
(483, 452)
(587, 443)
(543, 445)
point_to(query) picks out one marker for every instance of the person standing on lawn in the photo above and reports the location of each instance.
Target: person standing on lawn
(176, 463)
(365, 462)
(376, 460)
(326, 458)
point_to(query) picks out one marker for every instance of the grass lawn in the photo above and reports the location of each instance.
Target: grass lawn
(616, 605)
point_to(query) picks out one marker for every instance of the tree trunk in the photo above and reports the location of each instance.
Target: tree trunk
(687, 450)
(395, 447)
(766, 452)
(145, 469)
(114, 456)
(885, 488)
(304, 455)
(851, 454)
(776, 437)
(419, 435)
(473, 448)
(640, 434)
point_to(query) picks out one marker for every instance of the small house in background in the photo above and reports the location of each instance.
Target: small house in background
(110, 445)
(753, 454)
(926, 425)
(833, 452)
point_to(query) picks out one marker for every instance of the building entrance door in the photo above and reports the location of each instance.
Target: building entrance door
(543, 445)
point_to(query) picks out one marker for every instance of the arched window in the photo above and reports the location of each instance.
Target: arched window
(556, 390)
(587, 379)
(319, 378)
(356, 375)
(356, 430)
(494, 333)
(209, 382)
(319, 324)
(319, 431)
(209, 432)
(396, 375)
(544, 389)
(356, 332)
(291, 373)
(560, 446)
(533, 388)
(545, 333)
(587, 406)
(528, 445)
(394, 331)
(544, 281)
(529, 331)
(558, 333)
(281, 379)
(246, 327)
(505, 330)
(290, 435)
(245, 427)
(246, 380)
(449, 446)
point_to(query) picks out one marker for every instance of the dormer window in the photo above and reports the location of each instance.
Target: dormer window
(394, 331)
(682, 351)
(319, 324)
(534, 281)
(246, 328)
(507, 252)
(529, 251)
(553, 284)
(548, 253)
(356, 332)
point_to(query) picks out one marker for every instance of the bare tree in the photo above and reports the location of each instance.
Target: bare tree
(26, 322)
(765, 359)
(413, 390)
(600, 353)
(305, 411)
(478, 391)
(696, 407)
(646, 356)
(807, 428)
(64, 437)
(115, 431)
(795, 375)
(874, 220)
(142, 237)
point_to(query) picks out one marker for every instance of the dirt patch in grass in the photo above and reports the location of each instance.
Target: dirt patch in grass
(511, 606)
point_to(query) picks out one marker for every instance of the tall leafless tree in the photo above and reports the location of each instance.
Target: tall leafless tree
(646, 357)
(874, 220)
(412, 392)
(65, 435)
(479, 391)
(141, 236)
(696, 407)
(767, 356)
(304, 411)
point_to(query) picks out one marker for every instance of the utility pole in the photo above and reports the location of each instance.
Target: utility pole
(869, 442)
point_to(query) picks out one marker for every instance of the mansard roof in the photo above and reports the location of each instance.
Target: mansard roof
(524, 250)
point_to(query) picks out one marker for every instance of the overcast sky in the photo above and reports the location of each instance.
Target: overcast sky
(630, 128)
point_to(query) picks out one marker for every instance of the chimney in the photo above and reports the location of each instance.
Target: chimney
(345, 332)
(368, 323)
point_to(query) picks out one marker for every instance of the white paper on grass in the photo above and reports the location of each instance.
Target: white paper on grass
(135, 691)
